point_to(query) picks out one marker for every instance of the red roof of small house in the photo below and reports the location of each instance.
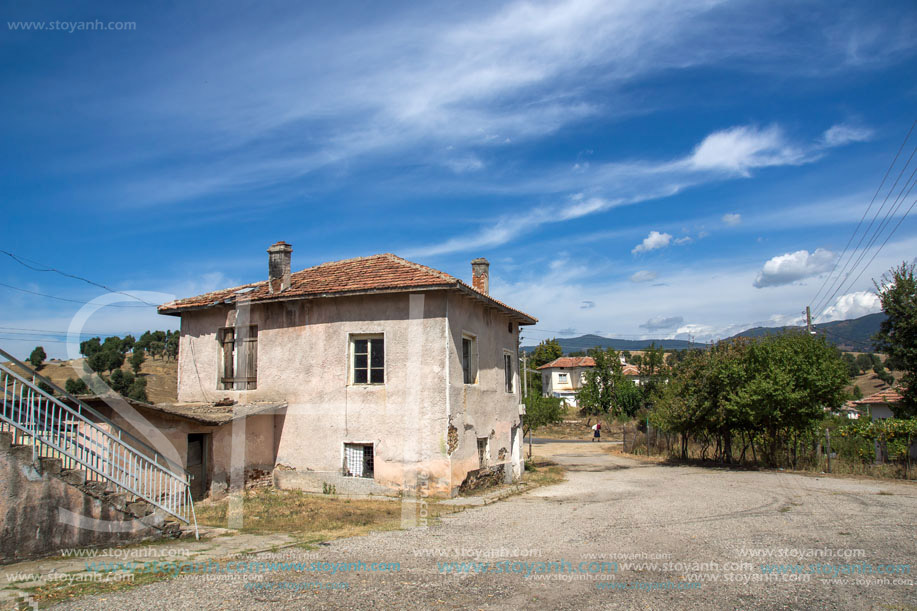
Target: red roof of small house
(889, 395)
(570, 361)
(565, 362)
(384, 273)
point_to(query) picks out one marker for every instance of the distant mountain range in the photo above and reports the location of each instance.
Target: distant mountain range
(852, 335)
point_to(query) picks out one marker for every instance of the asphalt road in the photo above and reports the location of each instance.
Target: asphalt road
(681, 538)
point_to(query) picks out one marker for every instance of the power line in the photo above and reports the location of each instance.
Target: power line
(872, 241)
(22, 262)
(871, 202)
(110, 305)
(841, 278)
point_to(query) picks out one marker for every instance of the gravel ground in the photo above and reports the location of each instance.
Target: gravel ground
(706, 527)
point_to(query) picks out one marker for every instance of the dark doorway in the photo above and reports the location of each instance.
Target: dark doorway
(198, 449)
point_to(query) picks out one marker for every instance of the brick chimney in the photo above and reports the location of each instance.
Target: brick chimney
(278, 266)
(480, 275)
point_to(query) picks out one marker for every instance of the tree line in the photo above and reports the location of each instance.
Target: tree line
(107, 357)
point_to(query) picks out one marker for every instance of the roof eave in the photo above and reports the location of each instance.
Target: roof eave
(521, 317)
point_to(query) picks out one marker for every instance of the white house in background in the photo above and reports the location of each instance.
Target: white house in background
(564, 377)
(880, 405)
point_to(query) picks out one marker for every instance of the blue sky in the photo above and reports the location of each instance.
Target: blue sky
(639, 169)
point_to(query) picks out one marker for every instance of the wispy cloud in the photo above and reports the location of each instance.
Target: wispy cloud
(644, 275)
(732, 219)
(659, 323)
(839, 135)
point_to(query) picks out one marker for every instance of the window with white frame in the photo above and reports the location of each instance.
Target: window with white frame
(239, 358)
(562, 378)
(469, 359)
(367, 361)
(508, 371)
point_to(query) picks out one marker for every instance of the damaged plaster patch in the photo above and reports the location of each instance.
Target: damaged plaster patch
(453, 438)
(501, 454)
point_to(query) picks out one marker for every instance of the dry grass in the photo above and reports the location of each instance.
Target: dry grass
(542, 472)
(310, 517)
(59, 591)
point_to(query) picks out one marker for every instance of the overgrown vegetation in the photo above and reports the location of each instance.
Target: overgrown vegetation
(897, 335)
(764, 394)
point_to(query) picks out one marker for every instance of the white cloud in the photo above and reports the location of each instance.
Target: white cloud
(653, 241)
(683, 241)
(660, 322)
(852, 305)
(839, 135)
(587, 305)
(742, 148)
(732, 219)
(788, 268)
(643, 276)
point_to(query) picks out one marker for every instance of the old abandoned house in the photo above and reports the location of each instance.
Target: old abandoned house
(374, 375)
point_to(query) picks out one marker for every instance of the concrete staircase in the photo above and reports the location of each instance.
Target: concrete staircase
(47, 508)
(94, 476)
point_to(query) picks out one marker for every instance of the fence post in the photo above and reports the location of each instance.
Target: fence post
(828, 447)
(907, 456)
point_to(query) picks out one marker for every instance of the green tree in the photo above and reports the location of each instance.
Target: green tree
(857, 393)
(90, 347)
(157, 348)
(545, 352)
(46, 387)
(76, 387)
(106, 360)
(137, 359)
(792, 378)
(897, 335)
(599, 393)
(652, 371)
(541, 411)
(864, 362)
(120, 381)
(137, 390)
(127, 343)
(171, 345)
(38, 356)
(144, 342)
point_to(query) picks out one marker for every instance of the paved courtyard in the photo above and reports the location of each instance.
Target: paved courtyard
(617, 533)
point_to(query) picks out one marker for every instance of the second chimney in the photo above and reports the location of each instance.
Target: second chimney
(278, 266)
(480, 275)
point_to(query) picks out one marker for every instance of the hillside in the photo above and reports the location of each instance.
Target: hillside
(161, 376)
(853, 335)
(587, 342)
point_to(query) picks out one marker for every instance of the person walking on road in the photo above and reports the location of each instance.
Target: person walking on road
(597, 432)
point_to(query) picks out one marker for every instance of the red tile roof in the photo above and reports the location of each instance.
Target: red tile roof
(585, 361)
(570, 361)
(375, 274)
(889, 395)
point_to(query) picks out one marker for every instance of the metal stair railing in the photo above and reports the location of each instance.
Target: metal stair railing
(82, 438)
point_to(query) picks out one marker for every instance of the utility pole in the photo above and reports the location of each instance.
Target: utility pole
(808, 320)
(525, 376)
